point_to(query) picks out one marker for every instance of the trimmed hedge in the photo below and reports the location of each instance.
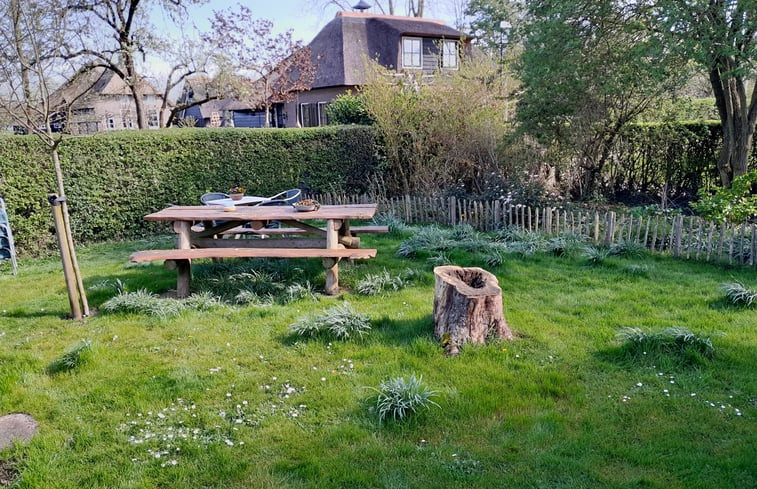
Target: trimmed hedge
(114, 179)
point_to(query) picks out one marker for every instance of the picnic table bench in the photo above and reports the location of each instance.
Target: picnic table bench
(334, 241)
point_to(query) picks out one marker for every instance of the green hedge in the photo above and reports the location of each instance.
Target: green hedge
(114, 179)
(681, 157)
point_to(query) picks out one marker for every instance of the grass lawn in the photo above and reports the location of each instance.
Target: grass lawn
(227, 397)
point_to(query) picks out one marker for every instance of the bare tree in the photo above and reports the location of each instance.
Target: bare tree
(32, 33)
(124, 23)
(272, 67)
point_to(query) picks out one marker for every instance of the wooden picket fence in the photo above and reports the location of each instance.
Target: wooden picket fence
(686, 237)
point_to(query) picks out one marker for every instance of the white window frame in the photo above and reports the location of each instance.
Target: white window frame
(450, 57)
(111, 123)
(411, 54)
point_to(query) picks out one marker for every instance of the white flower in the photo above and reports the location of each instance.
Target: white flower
(229, 442)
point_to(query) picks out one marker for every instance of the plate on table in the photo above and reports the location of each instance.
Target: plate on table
(305, 208)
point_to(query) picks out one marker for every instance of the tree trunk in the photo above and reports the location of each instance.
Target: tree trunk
(467, 307)
(737, 120)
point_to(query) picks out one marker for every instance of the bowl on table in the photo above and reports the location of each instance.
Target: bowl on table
(306, 205)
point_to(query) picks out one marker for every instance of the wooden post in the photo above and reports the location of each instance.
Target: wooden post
(69, 275)
(529, 219)
(720, 242)
(183, 267)
(741, 243)
(596, 227)
(678, 229)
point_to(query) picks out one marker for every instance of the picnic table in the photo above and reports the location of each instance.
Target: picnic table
(303, 237)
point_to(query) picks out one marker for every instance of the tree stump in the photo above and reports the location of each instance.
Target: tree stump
(467, 307)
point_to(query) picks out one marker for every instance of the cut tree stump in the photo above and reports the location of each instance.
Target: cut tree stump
(467, 307)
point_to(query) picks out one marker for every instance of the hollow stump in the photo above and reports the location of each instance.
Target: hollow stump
(467, 307)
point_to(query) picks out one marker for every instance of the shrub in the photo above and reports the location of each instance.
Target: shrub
(341, 322)
(636, 270)
(349, 109)
(73, 358)
(399, 398)
(739, 295)
(735, 204)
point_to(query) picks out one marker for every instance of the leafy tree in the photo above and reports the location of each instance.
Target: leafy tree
(494, 24)
(720, 36)
(588, 68)
(280, 66)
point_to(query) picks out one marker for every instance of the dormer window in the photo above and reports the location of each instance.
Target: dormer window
(411, 52)
(449, 54)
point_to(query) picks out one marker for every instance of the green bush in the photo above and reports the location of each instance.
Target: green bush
(114, 179)
(735, 204)
(349, 109)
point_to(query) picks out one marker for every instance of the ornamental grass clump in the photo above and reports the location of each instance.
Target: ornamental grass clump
(143, 302)
(628, 248)
(739, 295)
(669, 342)
(596, 256)
(74, 357)
(399, 398)
(341, 322)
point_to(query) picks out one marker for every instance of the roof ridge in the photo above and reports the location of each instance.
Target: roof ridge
(344, 13)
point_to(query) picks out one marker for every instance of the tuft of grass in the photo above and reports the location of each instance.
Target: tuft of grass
(399, 398)
(396, 225)
(203, 301)
(628, 248)
(596, 256)
(739, 295)
(637, 270)
(373, 284)
(669, 341)
(341, 322)
(74, 357)
(142, 302)
(567, 244)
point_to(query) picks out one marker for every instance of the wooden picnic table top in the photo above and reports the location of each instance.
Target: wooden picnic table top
(262, 213)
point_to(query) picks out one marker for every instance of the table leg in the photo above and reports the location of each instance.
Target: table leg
(332, 264)
(183, 267)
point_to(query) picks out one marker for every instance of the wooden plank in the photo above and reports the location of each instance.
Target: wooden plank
(752, 258)
(653, 244)
(265, 243)
(198, 253)
(741, 244)
(596, 227)
(700, 225)
(298, 231)
(678, 230)
(258, 213)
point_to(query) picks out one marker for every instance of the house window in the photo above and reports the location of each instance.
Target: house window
(411, 52)
(111, 123)
(152, 118)
(309, 115)
(323, 117)
(449, 54)
(215, 119)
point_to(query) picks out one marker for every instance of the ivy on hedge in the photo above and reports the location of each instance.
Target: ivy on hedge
(114, 179)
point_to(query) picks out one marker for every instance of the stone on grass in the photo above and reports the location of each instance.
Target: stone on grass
(16, 427)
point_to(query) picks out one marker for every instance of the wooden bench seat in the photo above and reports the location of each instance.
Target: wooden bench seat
(298, 231)
(196, 253)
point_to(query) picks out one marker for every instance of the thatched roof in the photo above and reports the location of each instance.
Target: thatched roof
(339, 48)
(95, 81)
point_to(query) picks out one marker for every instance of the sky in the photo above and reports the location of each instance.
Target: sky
(302, 16)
